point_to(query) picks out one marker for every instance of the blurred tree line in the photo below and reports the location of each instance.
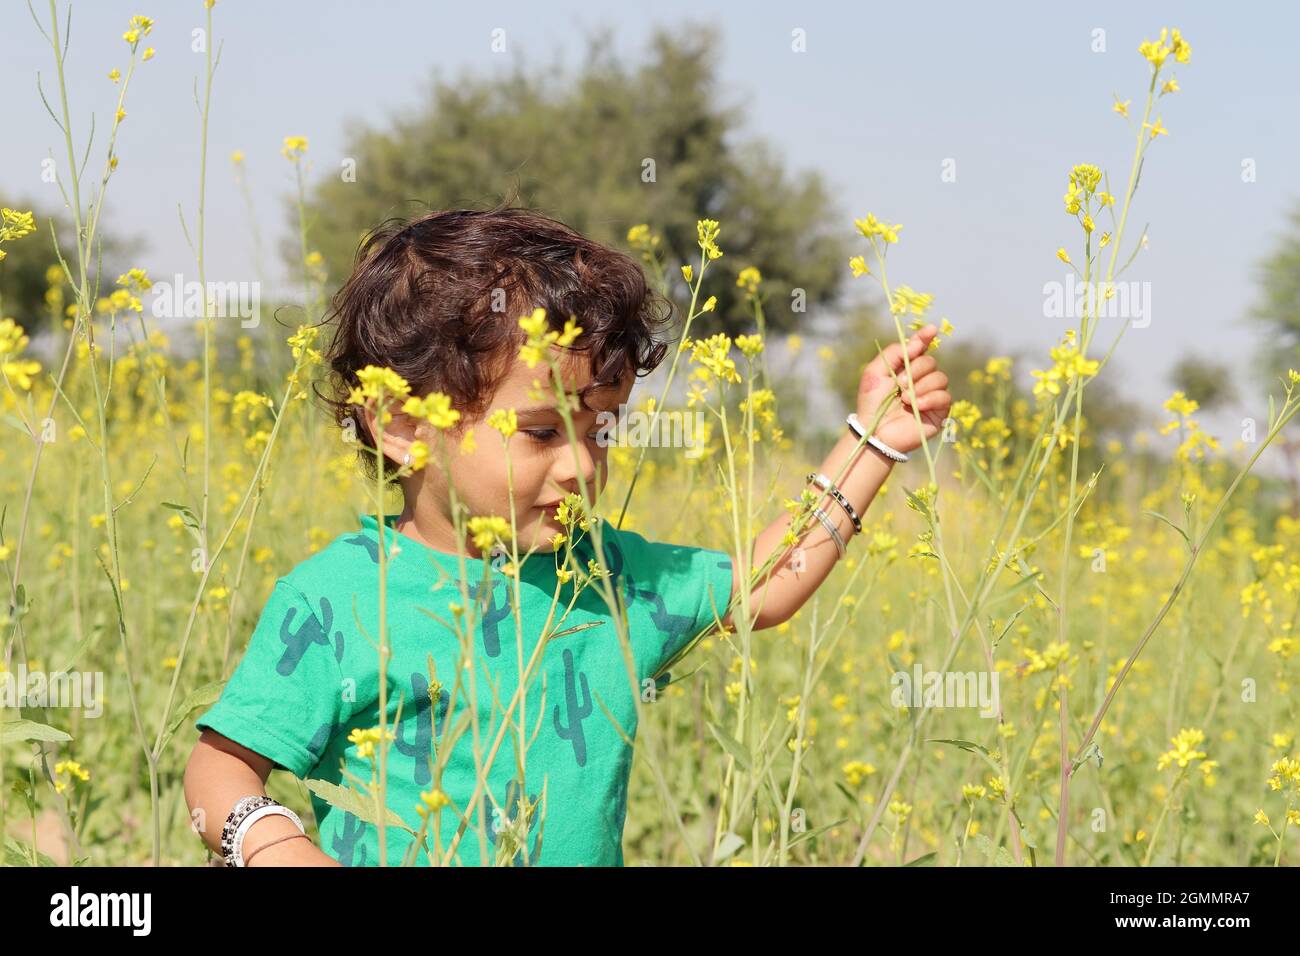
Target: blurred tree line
(612, 147)
(616, 144)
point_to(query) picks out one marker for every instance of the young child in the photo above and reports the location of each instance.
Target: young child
(437, 300)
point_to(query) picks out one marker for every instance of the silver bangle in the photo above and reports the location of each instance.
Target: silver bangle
(873, 441)
(271, 809)
(829, 525)
(826, 485)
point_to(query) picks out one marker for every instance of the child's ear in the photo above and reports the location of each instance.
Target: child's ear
(401, 430)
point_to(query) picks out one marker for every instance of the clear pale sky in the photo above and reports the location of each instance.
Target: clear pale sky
(884, 94)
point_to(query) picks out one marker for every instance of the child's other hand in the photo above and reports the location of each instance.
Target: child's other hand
(929, 395)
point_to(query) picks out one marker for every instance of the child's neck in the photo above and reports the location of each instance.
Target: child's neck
(432, 528)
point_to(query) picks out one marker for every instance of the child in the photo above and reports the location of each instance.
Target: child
(437, 300)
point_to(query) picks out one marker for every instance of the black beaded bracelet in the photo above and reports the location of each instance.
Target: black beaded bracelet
(824, 483)
(241, 809)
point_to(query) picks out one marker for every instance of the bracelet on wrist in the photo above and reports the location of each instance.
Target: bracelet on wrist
(856, 427)
(825, 484)
(829, 525)
(241, 832)
(246, 812)
(242, 808)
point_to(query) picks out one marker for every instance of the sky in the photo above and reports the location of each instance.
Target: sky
(883, 99)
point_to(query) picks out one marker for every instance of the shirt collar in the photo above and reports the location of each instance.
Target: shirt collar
(541, 563)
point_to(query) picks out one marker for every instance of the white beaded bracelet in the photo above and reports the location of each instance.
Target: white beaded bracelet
(248, 821)
(873, 441)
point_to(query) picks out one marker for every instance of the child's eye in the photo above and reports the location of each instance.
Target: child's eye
(544, 435)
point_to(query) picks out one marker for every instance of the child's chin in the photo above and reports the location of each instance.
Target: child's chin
(544, 529)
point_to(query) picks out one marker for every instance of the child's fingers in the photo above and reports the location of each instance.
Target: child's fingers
(933, 382)
(921, 367)
(932, 402)
(924, 369)
(891, 358)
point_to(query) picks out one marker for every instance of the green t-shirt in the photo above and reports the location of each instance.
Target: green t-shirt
(310, 676)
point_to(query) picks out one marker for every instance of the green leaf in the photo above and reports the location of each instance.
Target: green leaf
(1026, 581)
(22, 729)
(917, 503)
(926, 860)
(1012, 620)
(963, 744)
(1156, 514)
(16, 854)
(731, 745)
(575, 629)
(1094, 755)
(22, 789)
(82, 646)
(971, 747)
(15, 422)
(817, 832)
(191, 519)
(984, 476)
(198, 699)
(996, 855)
(354, 803)
(849, 795)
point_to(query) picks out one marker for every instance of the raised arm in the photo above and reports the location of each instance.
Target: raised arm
(776, 598)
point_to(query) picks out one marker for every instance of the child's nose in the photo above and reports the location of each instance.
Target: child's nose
(570, 464)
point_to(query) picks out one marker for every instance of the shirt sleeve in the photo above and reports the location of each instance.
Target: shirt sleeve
(684, 590)
(284, 700)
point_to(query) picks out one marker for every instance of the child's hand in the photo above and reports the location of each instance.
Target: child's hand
(897, 428)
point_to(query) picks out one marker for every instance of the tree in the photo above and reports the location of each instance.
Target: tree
(1277, 309)
(1277, 312)
(581, 149)
(1203, 380)
(24, 279)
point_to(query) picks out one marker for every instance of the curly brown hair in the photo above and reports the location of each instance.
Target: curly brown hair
(437, 298)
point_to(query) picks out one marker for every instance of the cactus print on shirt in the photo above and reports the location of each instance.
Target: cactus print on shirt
(310, 676)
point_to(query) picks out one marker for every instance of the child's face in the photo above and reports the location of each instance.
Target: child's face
(543, 465)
